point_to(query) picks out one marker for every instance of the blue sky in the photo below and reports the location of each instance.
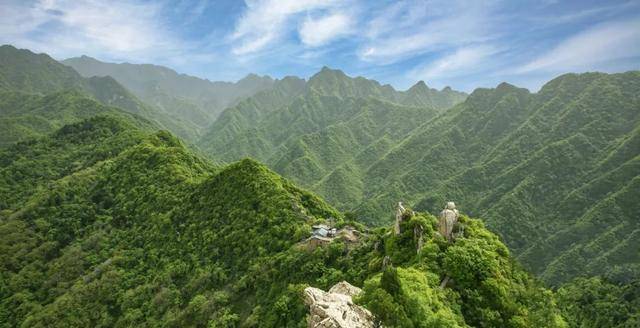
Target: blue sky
(464, 44)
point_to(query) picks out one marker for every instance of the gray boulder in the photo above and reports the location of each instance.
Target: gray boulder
(335, 308)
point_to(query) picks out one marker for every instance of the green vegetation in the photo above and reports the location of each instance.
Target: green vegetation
(486, 288)
(325, 135)
(553, 172)
(195, 100)
(107, 221)
(25, 72)
(28, 115)
(595, 302)
(130, 228)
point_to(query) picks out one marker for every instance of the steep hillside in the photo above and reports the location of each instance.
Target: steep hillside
(138, 231)
(248, 112)
(30, 115)
(333, 82)
(333, 122)
(596, 302)
(27, 168)
(23, 71)
(195, 100)
(555, 171)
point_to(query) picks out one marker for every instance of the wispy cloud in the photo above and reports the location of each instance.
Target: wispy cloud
(318, 32)
(412, 28)
(601, 11)
(63, 27)
(460, 62)
(586, 50)
(266, 21)
(462, 43)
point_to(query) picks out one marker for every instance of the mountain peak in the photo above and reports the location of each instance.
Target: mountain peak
(327, 71)
(420, 86)
(329, 79)
(504, 85)
(253, 78)
(8, 47)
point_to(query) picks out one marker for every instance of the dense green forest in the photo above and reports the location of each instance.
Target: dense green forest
(108, 218)
(139, 230)
(554, 172)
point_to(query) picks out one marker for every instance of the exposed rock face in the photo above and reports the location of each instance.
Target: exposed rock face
(399, 216)
(448, 218)
(335, 309)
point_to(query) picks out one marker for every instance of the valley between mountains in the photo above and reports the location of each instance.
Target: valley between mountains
(134, 195)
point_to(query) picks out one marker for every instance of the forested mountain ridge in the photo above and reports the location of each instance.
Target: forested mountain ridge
(24, 71)
(140, 231)
(25, 115)
(553, 159)
(334, 121)
(248, 111)
(199, 101)
(536, 165)
(104, 222)
(333, 82)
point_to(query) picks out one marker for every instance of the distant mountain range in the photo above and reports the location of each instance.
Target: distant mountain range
(190, 98)
(23, 71)
(113, 213)
(533, 164)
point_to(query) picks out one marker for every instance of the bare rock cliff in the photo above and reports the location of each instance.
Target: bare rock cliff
(335, 308)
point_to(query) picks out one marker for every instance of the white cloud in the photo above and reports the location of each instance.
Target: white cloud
(461, 62)
(264, 21)
(320, 31)
(71, 27)
(586, 50)
(411, 28)
(119, 26)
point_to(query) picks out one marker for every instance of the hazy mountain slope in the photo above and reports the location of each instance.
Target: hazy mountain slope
(239, 121)
(193, 99)
(248, 112)
(536, 164)
(141, 231)
(30, 115)
(423, 96)
(23, 71)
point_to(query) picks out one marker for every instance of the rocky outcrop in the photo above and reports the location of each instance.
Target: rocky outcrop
(335, 308)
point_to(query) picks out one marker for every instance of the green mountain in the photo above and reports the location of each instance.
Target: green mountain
(106, 221)
(554, 171)
(127, 227)
(248, 111)
(334, 121)
(28, 115)
(193, 99)
(26, 72)
(335, 83)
